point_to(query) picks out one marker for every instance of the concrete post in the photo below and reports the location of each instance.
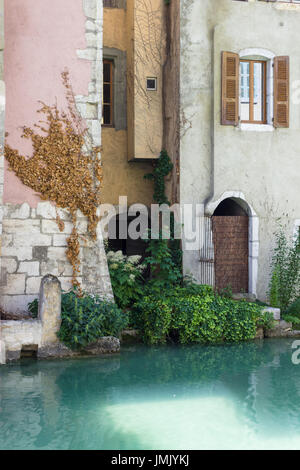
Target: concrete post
(50, 309)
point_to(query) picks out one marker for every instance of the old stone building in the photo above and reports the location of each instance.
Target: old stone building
(239, 150)
(114, 51)
(41, 40)
(208, 80)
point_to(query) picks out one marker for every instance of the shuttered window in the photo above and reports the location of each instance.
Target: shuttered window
(230, 89)
(281, 92)
(245, 87)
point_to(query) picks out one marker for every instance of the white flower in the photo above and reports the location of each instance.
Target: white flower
(135, 259)
(115, 256)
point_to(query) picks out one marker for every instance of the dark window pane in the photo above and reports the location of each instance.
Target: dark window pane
(106, 72)
(106, 94)
(106, 114)
(151, 84)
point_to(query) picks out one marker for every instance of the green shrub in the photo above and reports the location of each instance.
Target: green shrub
(285, 279)
(191, 288)
(196, 321)
(198, 317)
(293, 314)
(164, 272)
(153, 317)
(294, 308)
(86, 319)
(292, 319)
(126, 277)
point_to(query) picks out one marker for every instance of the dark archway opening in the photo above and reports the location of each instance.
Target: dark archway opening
(228, 208)
(119, 237)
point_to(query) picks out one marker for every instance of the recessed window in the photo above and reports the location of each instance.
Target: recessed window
(107, 113)
(253, 94)
(152, 84)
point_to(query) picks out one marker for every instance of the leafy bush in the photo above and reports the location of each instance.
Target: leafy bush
(202, 317)
(126, 277)
(153, 317)
(292, 319)
(293, 314)
(86, 319)
(285, 280)
(294, 308)
(165, 273)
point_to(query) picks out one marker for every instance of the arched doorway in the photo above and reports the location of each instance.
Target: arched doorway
(231, 246)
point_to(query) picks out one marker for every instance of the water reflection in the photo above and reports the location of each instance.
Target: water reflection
(245, 395)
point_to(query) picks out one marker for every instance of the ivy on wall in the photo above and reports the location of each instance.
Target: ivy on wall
(64, 168)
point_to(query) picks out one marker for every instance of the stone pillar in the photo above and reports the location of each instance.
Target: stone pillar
(50, 309)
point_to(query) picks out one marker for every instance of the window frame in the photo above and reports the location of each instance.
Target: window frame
(111, 84)
(251, 91)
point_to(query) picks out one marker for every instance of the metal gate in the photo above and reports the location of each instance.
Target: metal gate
(206, 255)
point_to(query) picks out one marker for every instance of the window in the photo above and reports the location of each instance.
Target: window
(255, 88)
(152, 84)
(253, 91)
(114, 3)
(107, 113)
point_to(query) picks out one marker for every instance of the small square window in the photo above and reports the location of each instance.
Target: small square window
(152, 84)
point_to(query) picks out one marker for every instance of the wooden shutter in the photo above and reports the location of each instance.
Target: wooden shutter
(281, 91)
(230, 89)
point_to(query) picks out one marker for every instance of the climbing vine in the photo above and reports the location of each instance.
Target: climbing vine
(162, 168)
(164, 256)
(65, 167)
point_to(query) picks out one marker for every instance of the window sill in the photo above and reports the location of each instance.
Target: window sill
(255, 127)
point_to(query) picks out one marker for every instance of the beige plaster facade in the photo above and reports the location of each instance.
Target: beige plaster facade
(256, 165)
(133, 37)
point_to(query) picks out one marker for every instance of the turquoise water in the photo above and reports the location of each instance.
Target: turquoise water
(225, 397)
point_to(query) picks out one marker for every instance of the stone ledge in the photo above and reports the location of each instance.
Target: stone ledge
(274, 311)
(104, 345)
(283, 329)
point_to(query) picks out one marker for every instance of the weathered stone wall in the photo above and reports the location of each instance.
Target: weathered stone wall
(40, 335)
(33, 245)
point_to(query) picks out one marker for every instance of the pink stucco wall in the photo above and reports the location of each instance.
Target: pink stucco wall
(41, 39)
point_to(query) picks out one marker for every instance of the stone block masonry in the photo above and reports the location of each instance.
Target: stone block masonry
(33, 246)
(40, 336)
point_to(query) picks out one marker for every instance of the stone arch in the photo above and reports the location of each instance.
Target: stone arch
(253, 238)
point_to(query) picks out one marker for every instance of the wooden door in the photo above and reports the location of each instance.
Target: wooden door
(230, 235)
